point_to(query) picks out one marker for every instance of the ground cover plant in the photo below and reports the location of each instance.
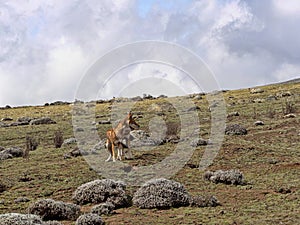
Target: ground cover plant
(268, 156)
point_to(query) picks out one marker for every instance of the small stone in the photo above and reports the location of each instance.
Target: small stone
(21, 199)
(258, 100)
(43, 120)
(232, 114)
(6, 119)
(290, 115)
(259, 123)
(104, 122)
(198, 142)
(256, 90)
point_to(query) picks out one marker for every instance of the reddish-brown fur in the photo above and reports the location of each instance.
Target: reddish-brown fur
(118, 134)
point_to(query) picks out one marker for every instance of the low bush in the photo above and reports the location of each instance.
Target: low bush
(161, 193)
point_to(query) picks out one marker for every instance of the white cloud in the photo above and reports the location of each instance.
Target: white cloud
(45, 46)
(287, 7)
(286, 71)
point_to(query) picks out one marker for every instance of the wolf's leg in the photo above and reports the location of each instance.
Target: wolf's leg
(108, 147)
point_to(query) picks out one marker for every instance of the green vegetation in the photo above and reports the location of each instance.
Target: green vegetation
(268, 156)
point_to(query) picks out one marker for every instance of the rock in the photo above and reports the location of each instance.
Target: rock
(259, 123)
(194, 108)
(290, 115)
(79, 129)
(7, 119)
(89, 219)
(258, 100)
(197, 97)
(283, 190)
(204, 201)
(141, 138)
(226, 177)
(43, 120)
(14, 151)
(101, 191)
(60, 103)
(235, 129)
(232, 114)
(161, 193)
(148, 96)
(172, 138)
(49, 209)
(14, 124)
(52, 223)
(21, 199)
(20, 219)
(162, 96)
(284, 94)
(3, 124)
(103, 209)
(271, 98)
(198, 142)
(77, 152)
(4, 156)
(136, 99)
(105, 122)
(24, 119)
(70, 141)
(256, 90)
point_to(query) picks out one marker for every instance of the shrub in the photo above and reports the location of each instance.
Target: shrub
(270, 112)
(20, 219)
(226, 177)
(58, 139)
(288, 108)
(235, 129)
(204, 201)
(89, 219)
(100, 191)
(52, 223)
(31, 143)
(103, 209)
(198, 142)
(43, 120)
(49, 209)
(161, 193)
(13, 151)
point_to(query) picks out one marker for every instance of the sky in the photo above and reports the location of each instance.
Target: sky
(47, 47)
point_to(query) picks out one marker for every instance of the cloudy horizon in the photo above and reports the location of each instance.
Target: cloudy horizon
(46, 47)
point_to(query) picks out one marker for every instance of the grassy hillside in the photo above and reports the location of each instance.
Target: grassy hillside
(268, 156)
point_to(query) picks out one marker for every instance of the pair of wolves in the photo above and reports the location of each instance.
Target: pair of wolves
(117, 136)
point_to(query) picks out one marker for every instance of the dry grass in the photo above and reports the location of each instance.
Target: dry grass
(268, 156)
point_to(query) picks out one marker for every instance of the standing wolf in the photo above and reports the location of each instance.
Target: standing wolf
(116, 136)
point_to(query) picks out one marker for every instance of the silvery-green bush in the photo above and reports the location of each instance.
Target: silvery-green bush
(161, 193)
(49, 209)
(204, 201)
(20, 219)
(89, 219)
(103, 209)
(100, 191)
(226, 177)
